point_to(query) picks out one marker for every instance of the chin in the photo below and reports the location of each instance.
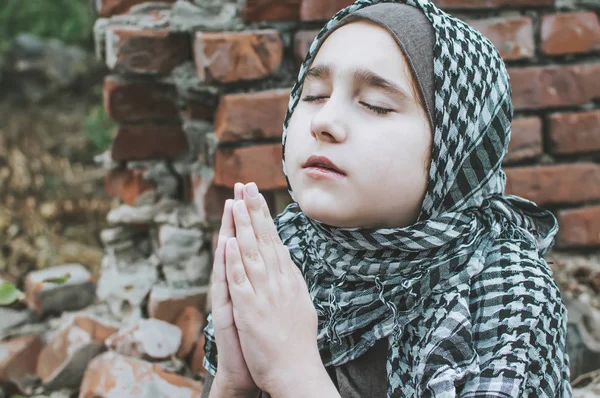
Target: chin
(328, 215)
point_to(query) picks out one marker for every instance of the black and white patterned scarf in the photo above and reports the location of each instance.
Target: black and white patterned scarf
(467, 303)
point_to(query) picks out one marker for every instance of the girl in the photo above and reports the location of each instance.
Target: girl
(402, 269)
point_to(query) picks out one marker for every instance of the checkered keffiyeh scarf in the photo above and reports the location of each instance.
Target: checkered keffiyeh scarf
(464, 297)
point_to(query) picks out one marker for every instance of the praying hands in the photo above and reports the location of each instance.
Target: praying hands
(264, 320)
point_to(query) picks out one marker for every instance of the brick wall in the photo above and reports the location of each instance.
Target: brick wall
(200, 90)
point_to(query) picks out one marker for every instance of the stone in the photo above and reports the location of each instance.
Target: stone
(193, 271)
(124, 290)
(166, 302)
(178, 244)
(45, 296)
(138, 215)
(184, 216)
(64, 359)
(10, 318)
(148, 338)
(114, 375)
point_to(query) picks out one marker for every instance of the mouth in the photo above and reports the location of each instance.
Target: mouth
(320, 166)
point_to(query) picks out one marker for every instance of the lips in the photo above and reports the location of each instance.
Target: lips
(323, 163)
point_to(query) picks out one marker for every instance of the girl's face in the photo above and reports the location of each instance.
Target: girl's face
(358, 109)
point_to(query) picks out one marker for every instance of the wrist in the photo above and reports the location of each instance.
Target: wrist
(308, 380)
(224, 387)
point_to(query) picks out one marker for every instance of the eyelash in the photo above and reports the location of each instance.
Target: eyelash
(376, 109)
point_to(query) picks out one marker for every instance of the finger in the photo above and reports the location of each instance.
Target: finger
(219, 289)
(238, 190)
(227, 226)
(251, 256)
(264, 229)
(283, 254)
(240, 287)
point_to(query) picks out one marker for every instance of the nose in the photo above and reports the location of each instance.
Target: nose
(327, 124)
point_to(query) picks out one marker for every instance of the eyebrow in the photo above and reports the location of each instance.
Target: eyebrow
(370, 78)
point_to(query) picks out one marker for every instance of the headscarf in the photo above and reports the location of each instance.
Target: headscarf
(437, 289)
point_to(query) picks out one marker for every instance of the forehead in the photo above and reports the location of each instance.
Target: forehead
(364, 45)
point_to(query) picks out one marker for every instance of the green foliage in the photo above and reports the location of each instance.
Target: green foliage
(59, 280)
(98, 129)
(71, 21)
(9, 293)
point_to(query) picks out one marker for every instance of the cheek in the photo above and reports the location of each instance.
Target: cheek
(399, 155)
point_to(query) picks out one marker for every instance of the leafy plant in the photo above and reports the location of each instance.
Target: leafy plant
(68, 20)
(9, 293)
(98, 129)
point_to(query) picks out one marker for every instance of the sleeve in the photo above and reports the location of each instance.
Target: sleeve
(519, 328)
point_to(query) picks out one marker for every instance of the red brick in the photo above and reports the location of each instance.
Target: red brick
(232, 56)
(554, 184)
(62, 362)
(107, 8)
(251, 116)
(513, 37)
(570, 32)
(554, 86)
(526, 139)
(302, 41)
(190, 321)
(146, 51)
(320, 9)
(127, 101)
(127, 184)
(270, 10)
(149, 141)
(491, 3)
(166, 303)
(18, 360)
(579, 227)
(260, 164)
(575, 132)
(114, 375)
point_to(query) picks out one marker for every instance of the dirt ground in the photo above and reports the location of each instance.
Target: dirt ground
(52, 199)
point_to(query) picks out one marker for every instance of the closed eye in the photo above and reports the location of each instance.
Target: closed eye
(376, 109)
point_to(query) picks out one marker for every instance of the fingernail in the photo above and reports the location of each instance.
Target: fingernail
(252, 190)
(241, 207)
